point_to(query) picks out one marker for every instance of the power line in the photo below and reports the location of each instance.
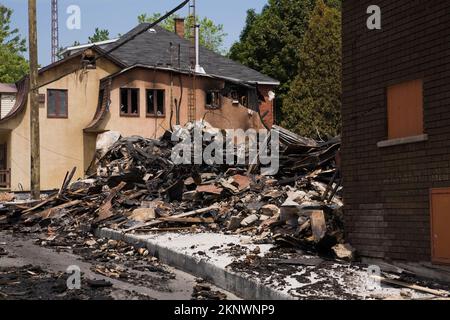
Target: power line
(120, 43)
(49, 150)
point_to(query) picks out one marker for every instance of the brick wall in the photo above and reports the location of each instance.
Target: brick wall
(386, 190)
(267, 105)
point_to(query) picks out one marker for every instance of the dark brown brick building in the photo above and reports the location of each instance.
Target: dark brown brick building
(396, 129)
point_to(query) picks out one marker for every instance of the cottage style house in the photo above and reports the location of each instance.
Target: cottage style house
(140, 84)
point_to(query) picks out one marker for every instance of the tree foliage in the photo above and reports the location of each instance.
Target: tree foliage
(312, 105)
(212, 35)
(13, 66)
(99, 35)
(271, 41)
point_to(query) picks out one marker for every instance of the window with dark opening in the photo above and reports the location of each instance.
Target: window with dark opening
(213, 99)
(89, 59)
(57, 103)
(129, 102)
(155, 103)
(405, 109)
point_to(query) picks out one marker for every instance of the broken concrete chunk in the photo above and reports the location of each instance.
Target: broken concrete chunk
(249, 220)
(270, 210)
(344, 251)
(318, 225)
(143, 215)
(234, 223)
(296, 196)
(105, 141)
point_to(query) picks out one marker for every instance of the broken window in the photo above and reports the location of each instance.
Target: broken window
(155, 103)
(129, 102)
(57, 103)
(244, 95)
(213, 99)
(88, 59)
(405, 109)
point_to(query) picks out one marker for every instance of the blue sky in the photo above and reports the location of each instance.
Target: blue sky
(119, 16)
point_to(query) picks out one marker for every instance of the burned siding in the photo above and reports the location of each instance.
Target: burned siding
(387, 189)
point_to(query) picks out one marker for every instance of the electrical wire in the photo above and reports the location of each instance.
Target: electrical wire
(49, 150)
(120, 44)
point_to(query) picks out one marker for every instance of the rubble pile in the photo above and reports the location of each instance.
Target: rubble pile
(137, 188)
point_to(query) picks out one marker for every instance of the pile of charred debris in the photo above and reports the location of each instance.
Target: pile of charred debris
(137, 188)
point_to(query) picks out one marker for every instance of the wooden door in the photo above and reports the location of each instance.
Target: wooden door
(440, 225)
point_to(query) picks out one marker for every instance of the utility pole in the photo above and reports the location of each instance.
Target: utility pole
(34, 106)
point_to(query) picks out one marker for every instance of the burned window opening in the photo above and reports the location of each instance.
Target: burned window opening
(88, 59)
(244, 95)
(155, 103)
(213, 99)
(129, 102)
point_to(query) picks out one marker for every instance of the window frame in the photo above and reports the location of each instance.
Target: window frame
(129, 114)
(155, 104)
(57, 114)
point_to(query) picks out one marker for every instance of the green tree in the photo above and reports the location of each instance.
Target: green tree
(13, 66)
(271, 40)
(312, 106)
(99, 35)
(211, 35)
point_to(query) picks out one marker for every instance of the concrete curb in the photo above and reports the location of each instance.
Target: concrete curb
(239, 284)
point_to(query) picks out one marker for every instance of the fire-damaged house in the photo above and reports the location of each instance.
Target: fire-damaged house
(396, 132)
(142, 84)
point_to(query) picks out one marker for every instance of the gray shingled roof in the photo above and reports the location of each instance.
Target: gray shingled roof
(152, 48)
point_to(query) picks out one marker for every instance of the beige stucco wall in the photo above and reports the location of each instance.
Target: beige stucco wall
(62, 140)
(229, 116)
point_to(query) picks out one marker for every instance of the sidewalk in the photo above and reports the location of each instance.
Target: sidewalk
(253, 271)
